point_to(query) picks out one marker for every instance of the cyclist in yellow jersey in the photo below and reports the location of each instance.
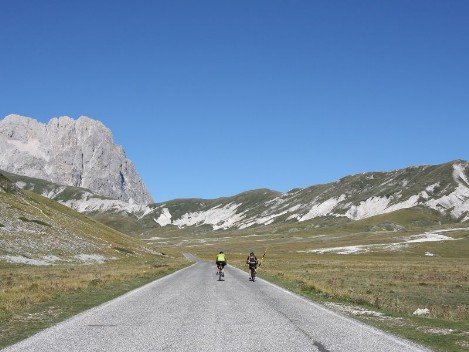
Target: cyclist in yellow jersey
(221, 262)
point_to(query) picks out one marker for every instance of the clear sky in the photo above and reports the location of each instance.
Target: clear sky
(213, 98)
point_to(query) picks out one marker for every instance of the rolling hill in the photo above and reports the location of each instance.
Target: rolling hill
(40, 231)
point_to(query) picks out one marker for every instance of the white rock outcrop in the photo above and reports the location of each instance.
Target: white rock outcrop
(79, 153)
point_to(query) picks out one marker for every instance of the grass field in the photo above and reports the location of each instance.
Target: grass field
(383, 284)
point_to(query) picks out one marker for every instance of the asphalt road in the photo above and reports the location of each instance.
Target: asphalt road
(191, 311)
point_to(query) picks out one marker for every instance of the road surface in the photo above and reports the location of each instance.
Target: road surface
(191, 311)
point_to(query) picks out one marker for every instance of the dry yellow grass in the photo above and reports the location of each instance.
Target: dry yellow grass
(391, 282)
(32, 298)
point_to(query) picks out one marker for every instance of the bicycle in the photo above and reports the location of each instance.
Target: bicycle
(220, 272)
(252, 269)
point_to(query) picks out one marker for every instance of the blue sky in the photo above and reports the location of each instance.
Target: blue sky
(213, 98)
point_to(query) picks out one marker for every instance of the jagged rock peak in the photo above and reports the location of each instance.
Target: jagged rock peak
(80, 153)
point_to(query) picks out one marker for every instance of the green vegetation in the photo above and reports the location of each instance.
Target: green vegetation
(35, 221)
(123, 250)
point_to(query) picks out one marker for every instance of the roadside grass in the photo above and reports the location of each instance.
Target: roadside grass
(382, 287)
(390, 287)
(33, 298)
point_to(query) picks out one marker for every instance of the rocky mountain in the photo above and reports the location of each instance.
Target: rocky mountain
(78, 153)
(441, 189)
(444, 188)
(38, 231)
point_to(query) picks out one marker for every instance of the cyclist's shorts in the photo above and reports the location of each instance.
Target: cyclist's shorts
(222, 264)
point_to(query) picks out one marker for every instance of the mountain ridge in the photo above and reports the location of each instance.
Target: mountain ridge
(443, 188)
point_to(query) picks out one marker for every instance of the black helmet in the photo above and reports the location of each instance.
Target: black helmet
(221, 252)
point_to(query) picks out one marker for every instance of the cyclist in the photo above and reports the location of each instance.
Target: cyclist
(221, 262)
(252, 262)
